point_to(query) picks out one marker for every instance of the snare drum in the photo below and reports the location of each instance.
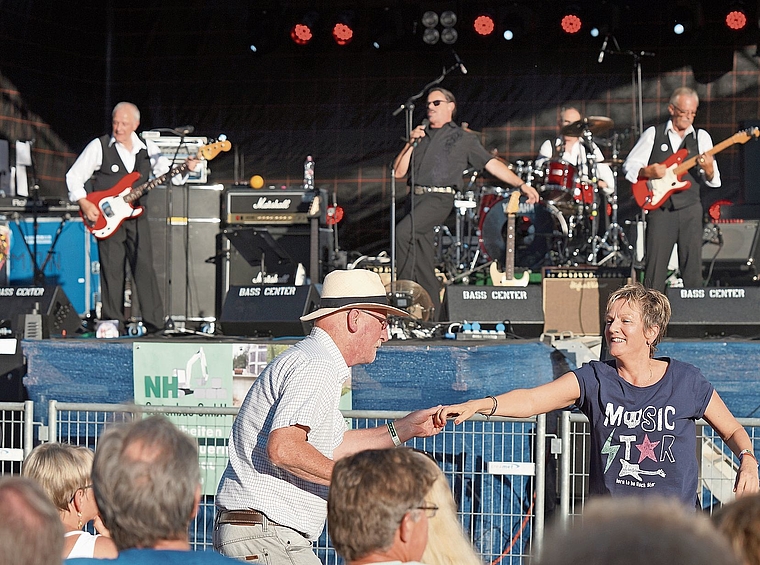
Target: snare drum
(489, 195)
(584, 193)
(559, 181)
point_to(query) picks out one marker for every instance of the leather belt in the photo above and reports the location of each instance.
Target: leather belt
(243, 518)
(438, 189)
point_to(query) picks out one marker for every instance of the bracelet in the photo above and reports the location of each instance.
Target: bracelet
(394, 435)
(744, 452)
(493, 408)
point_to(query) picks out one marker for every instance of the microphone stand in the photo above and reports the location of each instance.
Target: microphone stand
(637, 96)
(408, 109)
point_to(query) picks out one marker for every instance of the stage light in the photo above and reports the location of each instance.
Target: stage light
(508, 34)
(431, 36)
(302, 31)
(430, 19)
(679, 28)
(571, 23)
(484, 25)
(343, 28)
(736, 19)
(449, 35)
(448, 19)
(594, 32)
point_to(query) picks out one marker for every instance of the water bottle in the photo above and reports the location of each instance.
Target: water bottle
(308, 173)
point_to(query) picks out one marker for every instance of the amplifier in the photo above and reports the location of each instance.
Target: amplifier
(244, 206)
(714, 311)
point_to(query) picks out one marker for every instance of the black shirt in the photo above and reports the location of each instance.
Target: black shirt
(444, 153)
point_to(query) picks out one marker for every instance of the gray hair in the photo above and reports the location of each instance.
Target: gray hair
(683, 91)
(129, 107)
(31, 531)
(146, 476)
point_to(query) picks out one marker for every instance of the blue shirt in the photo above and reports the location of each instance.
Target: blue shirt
(643, 439)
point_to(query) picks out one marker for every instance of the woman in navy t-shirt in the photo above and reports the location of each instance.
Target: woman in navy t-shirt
(643, 411)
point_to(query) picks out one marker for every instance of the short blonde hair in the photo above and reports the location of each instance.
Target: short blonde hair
(652, 304)
(61, 469)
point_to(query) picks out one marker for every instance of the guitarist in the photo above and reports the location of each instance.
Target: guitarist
(102, 164)
(679, 219)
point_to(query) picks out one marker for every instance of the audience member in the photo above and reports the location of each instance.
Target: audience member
(30, 531)
(146, 478)
(739, 521)
(447, 544)
(289, 431)
(378, 506)
(636, 531)
(63, 471)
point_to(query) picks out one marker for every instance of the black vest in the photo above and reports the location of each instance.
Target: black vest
(112, 170)
(690, 195)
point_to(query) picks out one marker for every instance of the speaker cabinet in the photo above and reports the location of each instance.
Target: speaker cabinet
(575, 298)
(518, 308)
(184, 226)
(714, 311)
(267, 310)
(733, 246)
(59, 318)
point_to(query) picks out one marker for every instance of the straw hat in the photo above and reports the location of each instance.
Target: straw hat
(355, 288)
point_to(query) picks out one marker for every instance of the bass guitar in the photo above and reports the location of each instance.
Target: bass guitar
(650, 194)
(116, 203)
(507, 278)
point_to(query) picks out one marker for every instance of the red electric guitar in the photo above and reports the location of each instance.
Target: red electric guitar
(115, 204)
(650, 194)
(507, 278)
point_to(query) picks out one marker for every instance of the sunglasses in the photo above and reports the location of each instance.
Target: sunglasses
(436, 103)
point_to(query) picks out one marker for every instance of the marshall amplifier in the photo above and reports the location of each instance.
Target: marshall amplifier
(247, 207)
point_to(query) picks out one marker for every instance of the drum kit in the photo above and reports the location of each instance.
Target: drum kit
(575, 222)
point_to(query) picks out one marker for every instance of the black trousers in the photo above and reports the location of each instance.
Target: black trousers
(130, 245)
(415, 244)
(664, 229)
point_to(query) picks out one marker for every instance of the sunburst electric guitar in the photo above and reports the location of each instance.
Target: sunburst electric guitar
(650, 194)
(116, 203)
(507, 278)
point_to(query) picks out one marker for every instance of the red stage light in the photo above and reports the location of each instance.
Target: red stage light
(571, 23)
(484, 25)
(736, 20)
(342, 34)
(301, 34)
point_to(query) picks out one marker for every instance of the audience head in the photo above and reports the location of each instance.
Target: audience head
(377, 505)
(739, 521)
(637, 531)
(447, 544)
(147, 481)
(31, 532)
(652, 304)
(63, 471)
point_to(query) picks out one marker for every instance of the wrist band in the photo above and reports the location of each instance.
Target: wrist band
(493, 408)
(394, 435)
(744, 452)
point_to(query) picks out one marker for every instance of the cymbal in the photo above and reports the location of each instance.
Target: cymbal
(594, 124)
(611, 161)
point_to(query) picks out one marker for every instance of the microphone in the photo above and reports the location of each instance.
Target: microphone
(425, 123)
(603, 49)
(184, 130)
(460, 63)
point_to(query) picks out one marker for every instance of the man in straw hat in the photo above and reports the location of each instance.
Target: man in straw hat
(272, 497)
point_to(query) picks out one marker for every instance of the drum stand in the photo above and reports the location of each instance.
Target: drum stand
(614, 242)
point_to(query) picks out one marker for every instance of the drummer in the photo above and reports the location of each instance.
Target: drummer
(569, 148)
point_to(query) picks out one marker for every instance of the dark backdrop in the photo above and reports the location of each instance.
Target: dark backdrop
(65, 64)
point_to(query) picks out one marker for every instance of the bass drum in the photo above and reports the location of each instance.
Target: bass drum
(538, 229)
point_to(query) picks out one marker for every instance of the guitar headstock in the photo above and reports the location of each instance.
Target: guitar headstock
(746, 134)
(211, 150)
(513, 206)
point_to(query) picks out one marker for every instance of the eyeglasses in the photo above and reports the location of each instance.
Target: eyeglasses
(84, 488)
(436, 103)
(430, 509)
(383, 321)
(684, 112)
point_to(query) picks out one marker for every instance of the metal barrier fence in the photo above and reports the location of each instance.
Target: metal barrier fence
(508, 476)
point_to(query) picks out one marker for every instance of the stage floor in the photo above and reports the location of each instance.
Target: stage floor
(406, 375)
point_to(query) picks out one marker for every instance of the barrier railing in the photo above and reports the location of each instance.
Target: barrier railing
(505, 481)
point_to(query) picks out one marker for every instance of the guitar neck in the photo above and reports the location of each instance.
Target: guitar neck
(509, 260)
(691, 161)
(137, 192)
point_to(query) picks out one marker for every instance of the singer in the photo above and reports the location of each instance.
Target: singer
(435, 156)
(102, 164)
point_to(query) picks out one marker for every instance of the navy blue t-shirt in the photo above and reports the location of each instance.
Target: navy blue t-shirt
(643, 439)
